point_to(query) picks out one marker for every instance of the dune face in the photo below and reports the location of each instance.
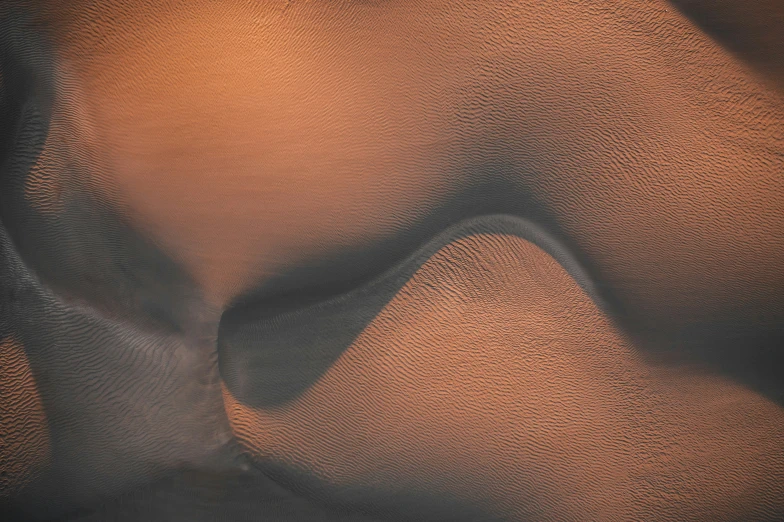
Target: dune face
(492, 376)
(357, 260)
(25, 445)
(750, 30)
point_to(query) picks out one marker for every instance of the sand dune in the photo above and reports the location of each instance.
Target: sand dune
(491, 376)
(228, 249)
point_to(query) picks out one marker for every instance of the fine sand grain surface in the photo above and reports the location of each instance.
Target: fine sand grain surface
(399, 260)
(492, 376)
(24, 441)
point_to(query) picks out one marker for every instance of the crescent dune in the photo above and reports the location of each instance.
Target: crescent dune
(391, 260)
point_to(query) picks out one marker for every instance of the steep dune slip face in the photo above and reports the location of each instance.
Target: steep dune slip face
(493, 379)
(410, 259)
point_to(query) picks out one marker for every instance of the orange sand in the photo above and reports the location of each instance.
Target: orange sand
(493, 377)
(24, 434)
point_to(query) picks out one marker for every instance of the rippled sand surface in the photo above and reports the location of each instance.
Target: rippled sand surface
(400, 260)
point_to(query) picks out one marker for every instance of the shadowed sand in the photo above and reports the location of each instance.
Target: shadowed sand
(252, 141)
(491, 376)
(269, 356)
(189, 187)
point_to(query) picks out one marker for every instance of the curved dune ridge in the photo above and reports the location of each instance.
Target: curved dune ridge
(269, 355)
(257, 143)
(492, 377)
(213, 210)
(24, 433)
